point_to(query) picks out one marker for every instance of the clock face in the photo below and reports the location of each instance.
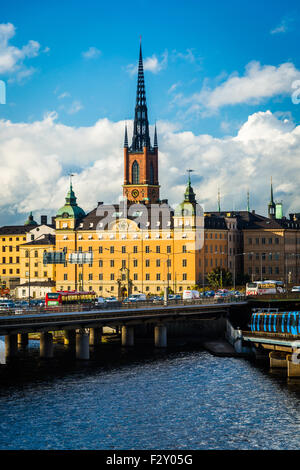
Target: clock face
(135, 193)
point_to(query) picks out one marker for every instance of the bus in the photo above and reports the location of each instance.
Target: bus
(69, 297)
(264, 287)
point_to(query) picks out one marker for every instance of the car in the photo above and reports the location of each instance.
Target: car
(100, 302)
(111, 299)
(295, 289)
(209, 293)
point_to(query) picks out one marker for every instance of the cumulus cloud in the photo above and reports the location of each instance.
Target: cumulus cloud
(258, 84)
(37, 157)
(12, 58)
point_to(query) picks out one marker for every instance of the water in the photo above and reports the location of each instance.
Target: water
(140, 400)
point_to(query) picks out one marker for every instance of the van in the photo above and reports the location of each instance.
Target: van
(190, 294)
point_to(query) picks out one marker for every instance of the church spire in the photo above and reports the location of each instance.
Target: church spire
(141, 136)
(126, 137)
(155, 137)
(271, 205)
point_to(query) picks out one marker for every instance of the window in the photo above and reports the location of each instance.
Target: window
(65, 277)
(100, 263)
(263, 241)
(169, 249)
(184, 263)
(112, 277)
(147, 263)
(135, 249)
(270, 241)
(168, 262)
(90, 277)
(157, 263)
(135, 276)
(276, 241)
(112, 249)
(157, 249)
(147, 277)
(100, 249)
(123, 263)
(169, 277)
(158, 276)
(135, 173)
(184, 277)
(100, 277)
(183, 248)
(90, 248)
(147, 249)
(135, 263)
(123, 249)
(112, 263)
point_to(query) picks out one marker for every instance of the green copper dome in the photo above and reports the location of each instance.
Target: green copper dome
(187, 207)
(30, 220)
(71, 209)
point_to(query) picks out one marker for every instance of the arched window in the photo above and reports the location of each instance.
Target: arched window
(151, 173)
(135, 173)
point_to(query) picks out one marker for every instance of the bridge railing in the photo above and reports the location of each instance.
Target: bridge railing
(118, 305)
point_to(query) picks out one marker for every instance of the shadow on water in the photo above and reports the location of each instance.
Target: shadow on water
(28, 366)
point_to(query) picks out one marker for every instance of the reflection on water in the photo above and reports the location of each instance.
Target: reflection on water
(138, 399)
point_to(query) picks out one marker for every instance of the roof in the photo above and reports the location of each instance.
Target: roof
(48, 239)
(15, 229)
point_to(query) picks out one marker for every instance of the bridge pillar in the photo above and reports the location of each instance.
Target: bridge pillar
(278, 359)
(95, 336)
(293, 365)
(82, 345)
(160, 336)
(23, 340)
(70, 338)
(127, 336)
(46, 345)
(11, 345)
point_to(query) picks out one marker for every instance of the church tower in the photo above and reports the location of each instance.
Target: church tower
(141, 159)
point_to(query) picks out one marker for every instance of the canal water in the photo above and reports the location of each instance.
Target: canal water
(121, 399)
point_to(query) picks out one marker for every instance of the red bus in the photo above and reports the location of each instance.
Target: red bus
(69, 297)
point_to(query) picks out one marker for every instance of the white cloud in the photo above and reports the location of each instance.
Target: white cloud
(91, 53)
(284, 26)
(151, 64)
(258, 84)
(37, 157)
(12, 58)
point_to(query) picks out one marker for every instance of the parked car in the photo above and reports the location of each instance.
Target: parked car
(111, 299)
(295, 289)
(137, 297)
(100, 302)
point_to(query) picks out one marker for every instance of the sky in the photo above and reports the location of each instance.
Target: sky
(222, 85)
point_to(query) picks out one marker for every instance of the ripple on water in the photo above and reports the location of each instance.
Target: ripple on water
(187, 400)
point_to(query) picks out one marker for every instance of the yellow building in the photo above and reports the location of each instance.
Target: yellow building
(140, 244)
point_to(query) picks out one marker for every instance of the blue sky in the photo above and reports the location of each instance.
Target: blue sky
(209, 66)
(204, 42)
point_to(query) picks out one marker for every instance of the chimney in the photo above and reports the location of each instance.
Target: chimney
(43, 220)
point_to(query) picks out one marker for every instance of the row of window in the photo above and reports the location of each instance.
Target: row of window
(114, 277)
(263, 241)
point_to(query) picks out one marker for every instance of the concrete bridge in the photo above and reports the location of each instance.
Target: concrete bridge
(83, 329)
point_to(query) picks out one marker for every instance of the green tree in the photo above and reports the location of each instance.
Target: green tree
(219, 278)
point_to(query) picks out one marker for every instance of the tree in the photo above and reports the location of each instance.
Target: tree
(219, 278)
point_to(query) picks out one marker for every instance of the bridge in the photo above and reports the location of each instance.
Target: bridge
(84, 328)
